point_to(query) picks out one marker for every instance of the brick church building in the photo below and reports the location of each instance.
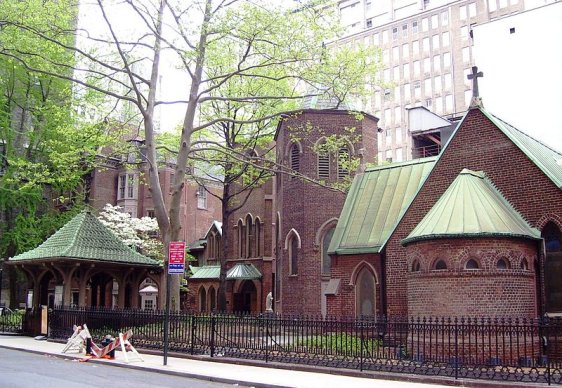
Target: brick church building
(474, 231)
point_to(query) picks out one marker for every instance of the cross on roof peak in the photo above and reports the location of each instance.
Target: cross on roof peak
(476, 100)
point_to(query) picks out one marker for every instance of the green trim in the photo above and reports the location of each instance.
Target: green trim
(409, 240)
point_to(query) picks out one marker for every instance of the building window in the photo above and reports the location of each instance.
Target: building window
(395, 33)
(369, 23)
(434, 21)
(440, 265)
(326, 261)
(416, 267)
(343, 162)
(405, 30)
(295, 157)
(201, 197)
(212, 298)
(416, 47)
(425, 45)
(414, 27)
(241, 239)
(446, 39)
(472, 10)
(425, 24)
(293, 255)
(365, 293)
(323, 165)
(435, 42)
(502, 264)
(257, 231)
(250, 241)
(444, 18)
(405, 50)
(202, 299)
(399, 156)
(553, 266)
(471, 264)
(388, 156)
(130, 185)
(122, 185)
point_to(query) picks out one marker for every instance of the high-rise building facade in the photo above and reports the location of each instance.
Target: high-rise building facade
(427, 53)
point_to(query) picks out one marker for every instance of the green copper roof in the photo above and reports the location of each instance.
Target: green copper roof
(241, 271)
(471, 207)
(85, 238)
(206, 272)
(375, 204)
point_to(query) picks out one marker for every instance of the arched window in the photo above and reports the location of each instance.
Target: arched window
(212, 299)
(250, 243)
(211, 247)
(326, 260)
(241, 240)
(471, 264)
(416, 267)
(524, 265)
(257, 232)
(293, 255)
(502, 264)
(295, 157)
(343, 162)
(202, 299)
(323, 165)
(552, 237)
(553, 267)
(365, 293)
(440, 265)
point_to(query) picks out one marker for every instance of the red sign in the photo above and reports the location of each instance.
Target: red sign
(176, 257)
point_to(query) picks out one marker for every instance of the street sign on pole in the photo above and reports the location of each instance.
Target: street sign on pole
(176, 257)
(176, 265)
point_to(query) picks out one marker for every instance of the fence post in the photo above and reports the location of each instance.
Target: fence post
(361, 355)
(456, 360)
(266, 339)
(213, 327)
(193, 327)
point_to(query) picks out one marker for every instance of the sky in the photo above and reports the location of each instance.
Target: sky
(521, 60)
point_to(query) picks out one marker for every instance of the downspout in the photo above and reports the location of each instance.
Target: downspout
(384, 310)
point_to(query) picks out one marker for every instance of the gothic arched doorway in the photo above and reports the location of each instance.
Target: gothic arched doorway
(245, 300)
(365, 293)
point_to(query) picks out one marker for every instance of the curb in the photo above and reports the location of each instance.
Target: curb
(375, 376)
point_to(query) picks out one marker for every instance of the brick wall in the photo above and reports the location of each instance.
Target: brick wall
(343, 268)
(484, 292)
(478, 145)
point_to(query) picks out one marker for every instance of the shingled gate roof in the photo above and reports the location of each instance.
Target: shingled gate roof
(471, 207)
(85, 238)
(375, 204)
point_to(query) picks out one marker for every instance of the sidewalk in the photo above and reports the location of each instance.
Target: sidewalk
(232, 373)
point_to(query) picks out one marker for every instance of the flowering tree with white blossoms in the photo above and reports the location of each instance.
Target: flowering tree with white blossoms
(138, 233)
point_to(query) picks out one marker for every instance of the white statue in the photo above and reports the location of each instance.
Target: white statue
(269, 302)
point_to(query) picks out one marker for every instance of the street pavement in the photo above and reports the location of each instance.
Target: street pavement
(232, 372)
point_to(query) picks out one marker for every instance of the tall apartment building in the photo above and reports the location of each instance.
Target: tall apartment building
(427, 52)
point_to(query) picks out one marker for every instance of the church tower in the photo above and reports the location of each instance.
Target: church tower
(320, 149)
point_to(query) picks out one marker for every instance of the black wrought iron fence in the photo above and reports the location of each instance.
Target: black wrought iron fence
(526, 350)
